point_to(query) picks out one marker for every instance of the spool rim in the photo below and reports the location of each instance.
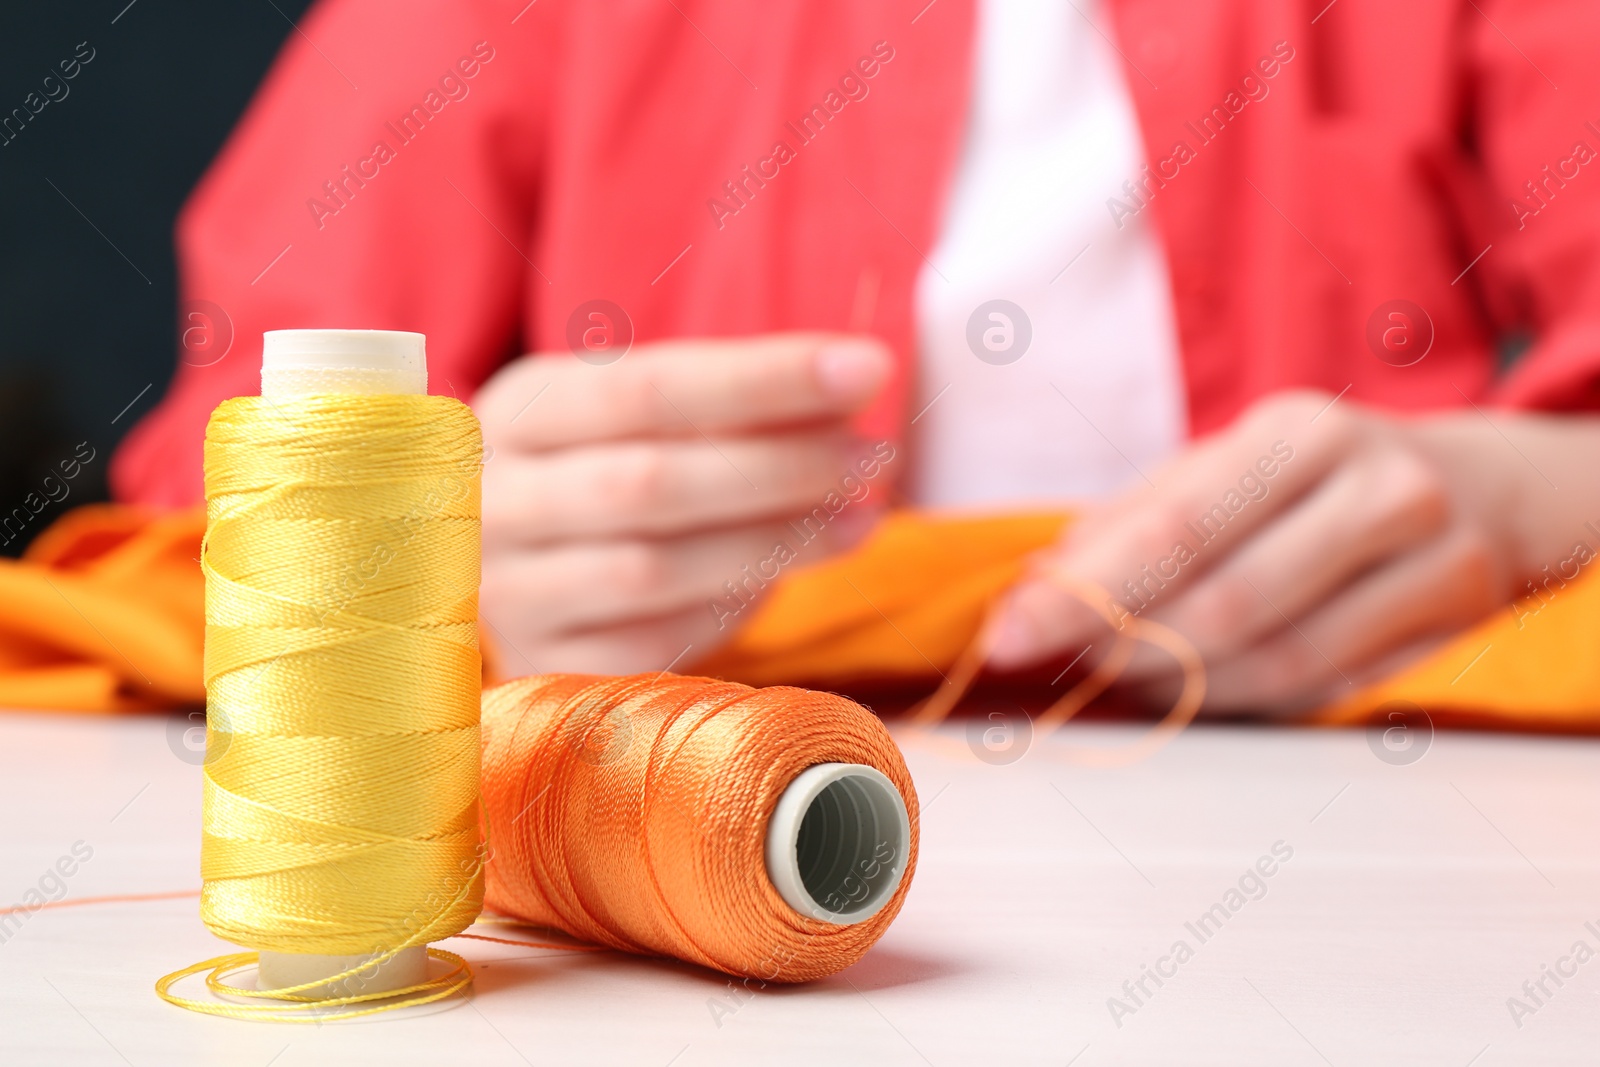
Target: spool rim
(282, 970)
(857, 837)
(297, 363)
(398, 350)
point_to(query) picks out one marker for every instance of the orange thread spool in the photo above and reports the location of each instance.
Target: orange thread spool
(634, 812)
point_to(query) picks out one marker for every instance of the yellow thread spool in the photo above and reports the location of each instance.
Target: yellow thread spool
(343, 676)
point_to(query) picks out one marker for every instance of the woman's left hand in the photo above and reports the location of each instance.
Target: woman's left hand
(1316, 545)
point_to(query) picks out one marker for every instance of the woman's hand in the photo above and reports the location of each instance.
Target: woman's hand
(1316, 545)
(619, 500)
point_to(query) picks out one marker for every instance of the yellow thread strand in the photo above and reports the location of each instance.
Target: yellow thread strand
(306, 1009)
(342, 678)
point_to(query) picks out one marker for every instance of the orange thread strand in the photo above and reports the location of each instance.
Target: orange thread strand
(1128, 630)
(533, 944)
(117, 898)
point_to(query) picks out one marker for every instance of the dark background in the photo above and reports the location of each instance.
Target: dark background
(88, 319)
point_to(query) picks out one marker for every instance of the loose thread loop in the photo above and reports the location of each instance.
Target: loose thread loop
(1129, 630)
(308, 1009)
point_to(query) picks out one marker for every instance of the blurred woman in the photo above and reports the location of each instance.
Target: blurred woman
(1297, 303)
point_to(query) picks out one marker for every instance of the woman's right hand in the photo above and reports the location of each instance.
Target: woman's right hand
(618, 500)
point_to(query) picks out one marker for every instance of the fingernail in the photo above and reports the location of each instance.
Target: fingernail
(1012, 640)
(851, 369)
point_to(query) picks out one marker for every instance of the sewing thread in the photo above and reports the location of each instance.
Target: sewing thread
(342, 673)
(632, 812)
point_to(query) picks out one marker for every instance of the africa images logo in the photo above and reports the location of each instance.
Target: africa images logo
(999, 332)
(1399, 733)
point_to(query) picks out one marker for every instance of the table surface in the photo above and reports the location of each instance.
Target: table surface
(1417, 901)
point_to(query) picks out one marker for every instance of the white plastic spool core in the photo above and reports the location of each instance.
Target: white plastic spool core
(365, 363)
(837, 842)
(360, 362)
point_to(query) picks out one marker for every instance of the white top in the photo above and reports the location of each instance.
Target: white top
(1052, 134)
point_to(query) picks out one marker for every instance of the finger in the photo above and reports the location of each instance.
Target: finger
(664, 488)
(683, 389)
(1371, 509)
(1442, 588)
(1164, 537)
(589, 584)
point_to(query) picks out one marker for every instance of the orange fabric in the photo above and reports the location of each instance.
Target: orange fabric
(908, 601)
(901, 607)
(1530, 667)
(105, 613)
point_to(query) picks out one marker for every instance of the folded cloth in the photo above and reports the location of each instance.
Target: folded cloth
(106, 612)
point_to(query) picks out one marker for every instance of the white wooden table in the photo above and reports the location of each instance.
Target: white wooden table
(1418, 899)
